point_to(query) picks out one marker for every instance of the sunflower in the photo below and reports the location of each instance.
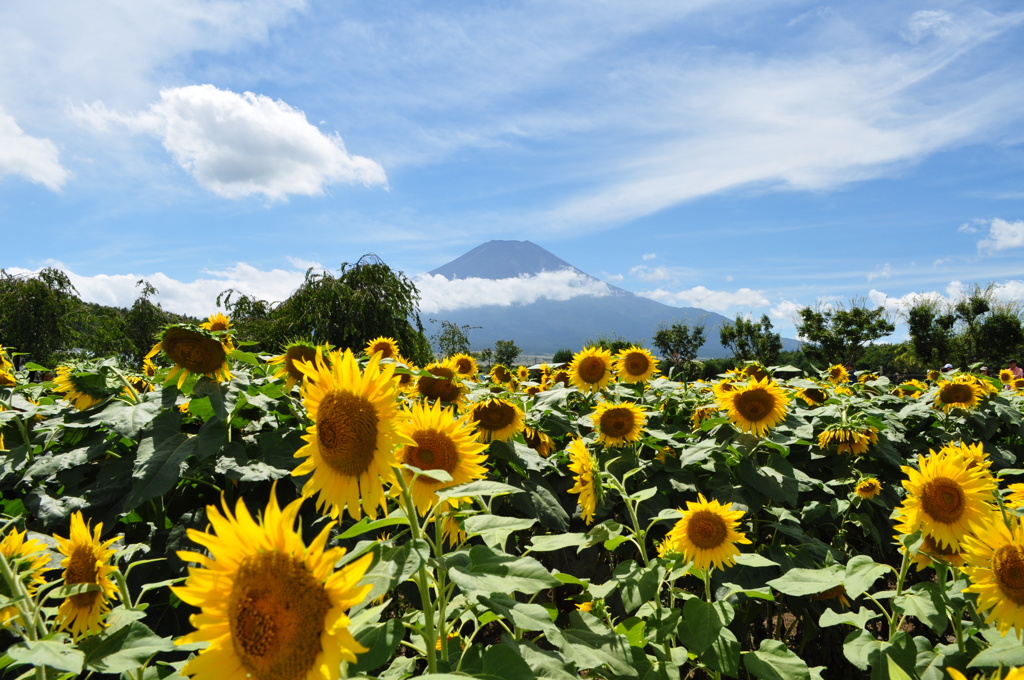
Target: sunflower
(702, 413)
(440, 441)
(538, 441)
(349, 446)
(635, 365)
(562, 377)
(500, 374)
(911, 388)
(271, 606)
(86, 561)
(868, 487)
(930, 551)
(387, 347)
(618, 424)
(1018, 384)
(220, 324)
(591, 369)
(837, 374)
(706, 534)
(755, 371)
(465, 365)
(848, 439)
(523, 373)
(193, 350)
(586, 478)
(755, 407)
(995, 566)
(932, 375)
(497, 419)
(1015, 496)
(973, 454)
(812, 396)
(287, 363)
(443, 383)
(1006, 376)
(867, 376)
(944, 498)
(7, 379)
(961, 392)
(28, 559)
(77, 390)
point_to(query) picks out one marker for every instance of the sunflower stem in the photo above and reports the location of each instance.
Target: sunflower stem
(132, 392)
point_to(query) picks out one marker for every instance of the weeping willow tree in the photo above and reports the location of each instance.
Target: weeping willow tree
(363, 301)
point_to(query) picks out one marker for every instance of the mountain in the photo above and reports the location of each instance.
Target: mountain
(546, 326)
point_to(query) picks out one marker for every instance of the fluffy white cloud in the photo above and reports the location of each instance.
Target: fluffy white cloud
(239, 145)
(34, 158)
(714, 300)
(1002, 235)
(438, 294)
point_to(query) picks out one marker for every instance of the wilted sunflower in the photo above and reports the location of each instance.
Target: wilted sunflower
(387, 347)
(193, 350)
(618, 424)
(944, 498)
(86, 561)
(538, 441)
(755, 407)
(28, 559)
(847, 438)
(961, 392)
(587, 486)
(349, 446)
(706, 534)
(635, 365)
(837, 374)
(440, 441)
(591, 369)
(287, 363)
(497, 419)
(500, 374)
(868, 487)
(271, 606)
(464, 365)
(995, 565)
(77, 390)
(443, 383)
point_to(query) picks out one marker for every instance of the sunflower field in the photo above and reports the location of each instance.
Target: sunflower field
(329, 513)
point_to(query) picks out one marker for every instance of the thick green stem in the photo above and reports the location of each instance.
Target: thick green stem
(422, 578)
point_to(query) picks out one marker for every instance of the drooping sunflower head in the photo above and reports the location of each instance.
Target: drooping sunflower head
(465, 365)
(755, 371)
(87, 560)
(848, 438)
(443, 383)
(706, 534)
(438, 440)
(349, 446)
(812, 396)
(387, 347)
(837, 374)
(701, 413)
(83, 389)
(755, 407)
(944, 498)
(497, 419)
(635, 365)
(587, 479)
(270, 606)
(538, 441)
(28, 559)
(869, 487)
(500, 374)
(930, 551)
(287, 362)
(591, 369)
(192, 350)
(994, 558)
(961, 392)
(618, 424)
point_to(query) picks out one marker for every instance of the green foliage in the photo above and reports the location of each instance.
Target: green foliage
(679, 344)
(751, 340)
(506, 352)
(839, 335)
(451, 338)
(612, 343)
(34, 311)
(562, 356)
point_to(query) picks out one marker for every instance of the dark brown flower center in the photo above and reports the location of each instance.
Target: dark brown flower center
(494, 416)
(346, 427)
(193, 351)
(943, 499)
(591, 369)
(706, 530)
(82, 568)
(754, 404)
(616, 423)
(636, 364)
(957, 394)
(385, 349)
(441, 386)
(1008, 569)
(433, 451)
(295, 354)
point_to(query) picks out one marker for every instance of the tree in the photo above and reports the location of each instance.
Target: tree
(838, 336)
(751, 340)
(679, 344)
(613, 344)
(452, 338)
(506, 352)
(34, 314)
(562, 356)
(930, 324)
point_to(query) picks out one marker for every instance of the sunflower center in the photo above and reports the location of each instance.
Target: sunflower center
(636, 364)
(706, 530)
(617, 422)
(442, 386)
(815, 395)
(591, 369)
(943, 500)
(347, 429)
(433, 451)
(276, 612)
(494, 416)
(296, 354)
(957, 394)
(82, 568)
(464, 366)
(193, 351)
(754, 405)
(501, 374)
(1008, 569)
(385, 349)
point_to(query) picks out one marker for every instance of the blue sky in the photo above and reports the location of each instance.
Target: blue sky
(741, 157)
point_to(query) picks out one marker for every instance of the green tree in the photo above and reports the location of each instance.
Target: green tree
(839, 335)
(452, 338)
(930, 324)
(506, 352)
(679, 345)
(34, 314)
(562, 356)
(751, 340)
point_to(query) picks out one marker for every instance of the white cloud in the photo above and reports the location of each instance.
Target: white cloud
(648, 256)
(652, 274)
(34, 158)
(1002, 235)
(882, 272)
(924, 23)
(714, 300)
(438, 294)
(237, 145)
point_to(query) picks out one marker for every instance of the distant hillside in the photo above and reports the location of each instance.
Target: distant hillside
(545, 326)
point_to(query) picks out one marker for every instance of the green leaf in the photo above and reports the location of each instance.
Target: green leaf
(702, 623)
(158, 467)
(366, 524)
(724, 654)
(637, 584)
(128, 420)
(774, 661)
(123, 650)
(486, 570)
(1009, 656)
(558, 541)
(858, 619)
(480, 489)
(381, 641)
(525, 616)
(503, 662)
(809, 581)
(396, 565)
(495, 529)
(591, 645)
(924, 601)
(54, 654)
(861, 573)
(754, 560)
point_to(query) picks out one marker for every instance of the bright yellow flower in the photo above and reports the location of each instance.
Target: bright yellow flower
(961, 392)
(87, 560)
(755, 407)
(618, 424)
(848, 439)
(287, 363)
(635, 365)
(706, 534)
(587, 486)
(995, 567)
(868, 488)
(591, 369)
(465, 366)
(28, 559)
(387, 347)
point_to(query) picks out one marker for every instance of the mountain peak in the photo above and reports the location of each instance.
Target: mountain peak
(502, 260)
